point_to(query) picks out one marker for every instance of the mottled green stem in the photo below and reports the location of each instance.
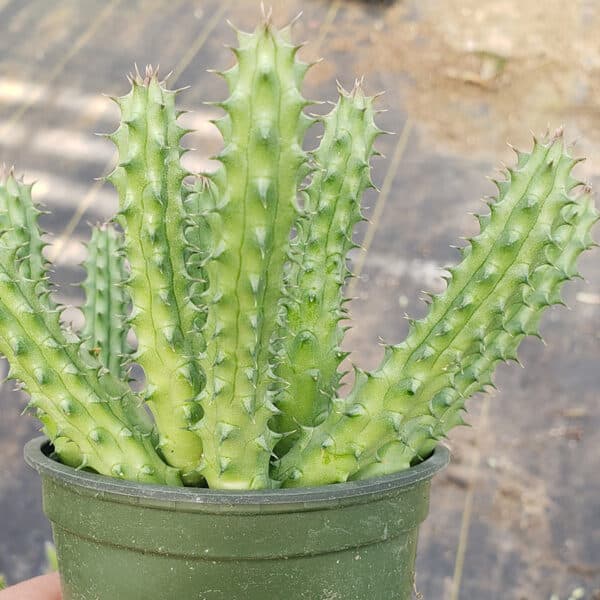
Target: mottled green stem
(511, 271)
(149, 181)
(250, 229)
(314, 305)
(93, 419)
(106, 301)
(199, 201)
(236, 293)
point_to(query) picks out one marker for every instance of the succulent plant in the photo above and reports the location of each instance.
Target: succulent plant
(106, 301)
(233, 284)
(92, 416)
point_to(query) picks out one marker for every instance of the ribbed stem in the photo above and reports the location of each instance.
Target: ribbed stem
(250, 230)
(314, 304)
(93, 419)
(149, 181)
(106, 301)
(510, 273)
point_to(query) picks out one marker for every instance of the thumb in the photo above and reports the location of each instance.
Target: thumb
(46, 587)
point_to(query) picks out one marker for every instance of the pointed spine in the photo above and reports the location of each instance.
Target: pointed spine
(510, 272)
(313, 301)
(149, 180)
(261, 164)
(200, 200)
(92, 419)
(106, 304)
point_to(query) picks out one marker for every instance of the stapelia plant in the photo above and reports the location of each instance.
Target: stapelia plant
(234, 290)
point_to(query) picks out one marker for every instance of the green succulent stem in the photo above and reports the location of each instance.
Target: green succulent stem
(233, 286)
(314, 304)
(92, 418)
(262, 163)
(200, 200)
(511, 271)
(106, 301)
(149, 180)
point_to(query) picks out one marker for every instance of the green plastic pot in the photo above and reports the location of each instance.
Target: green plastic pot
(118, 540)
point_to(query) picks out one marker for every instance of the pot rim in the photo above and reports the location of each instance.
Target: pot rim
(36, 456)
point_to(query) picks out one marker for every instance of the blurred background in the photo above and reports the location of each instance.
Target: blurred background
(517, 515)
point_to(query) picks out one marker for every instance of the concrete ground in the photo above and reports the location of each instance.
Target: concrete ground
(517, 514)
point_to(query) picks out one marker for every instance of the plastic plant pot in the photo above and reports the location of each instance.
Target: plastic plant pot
(118, 540)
